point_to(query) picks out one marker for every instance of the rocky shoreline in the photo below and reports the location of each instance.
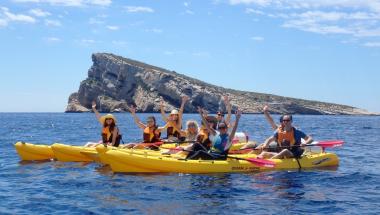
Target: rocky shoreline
(114, 81)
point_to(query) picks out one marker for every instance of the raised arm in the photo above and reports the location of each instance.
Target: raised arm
(160, 129)
(238, 115)
(203, 118)
(269, 118)
(180, 112)
(137, 120)
(97, 114)
(163, 114)
(229, 109)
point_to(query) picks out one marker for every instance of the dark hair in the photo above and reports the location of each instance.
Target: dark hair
(220, 113)
(112, 125)
(212, 119)
(289, 115)
(154, 120)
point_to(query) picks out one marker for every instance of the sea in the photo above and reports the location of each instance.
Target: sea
(53, 187)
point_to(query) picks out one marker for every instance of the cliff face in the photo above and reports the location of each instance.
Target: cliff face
(114, 81)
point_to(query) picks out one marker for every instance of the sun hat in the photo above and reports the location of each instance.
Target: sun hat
(107, 116)
(174, 112)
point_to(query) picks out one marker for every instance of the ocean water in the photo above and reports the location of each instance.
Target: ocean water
(87, 188)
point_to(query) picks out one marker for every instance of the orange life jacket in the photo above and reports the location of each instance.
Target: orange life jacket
(171, 131)
(285, 138)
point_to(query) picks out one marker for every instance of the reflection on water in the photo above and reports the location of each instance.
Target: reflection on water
(284, 185)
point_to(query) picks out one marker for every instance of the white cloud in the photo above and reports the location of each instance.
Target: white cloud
(169, 53)
(257, 38)
(3, 23)
(113, 27)
(53, 23)
(186, 4)
(100, 2)
(69, 3)
(349, 19)
(372, 5)
(6, 17)
(53, 39)
(258, 2)
(119, 43)
(38, 12)
(201, 54)
(139, 9)
(250, 10)
(189, 12)
(155, 30)
(96, 21)
(372, 44)
(87, 41)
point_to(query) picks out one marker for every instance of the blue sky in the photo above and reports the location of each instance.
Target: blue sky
(318, 50)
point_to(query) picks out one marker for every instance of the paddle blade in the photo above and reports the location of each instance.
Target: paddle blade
(328, 143)
(262, 162)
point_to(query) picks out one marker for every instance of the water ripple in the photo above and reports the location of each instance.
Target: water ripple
(88, 188)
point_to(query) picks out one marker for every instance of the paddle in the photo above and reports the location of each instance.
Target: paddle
(327, 143)
(257, 161)
(323, 144)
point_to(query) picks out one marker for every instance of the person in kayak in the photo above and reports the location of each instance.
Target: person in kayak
(288, 141)
(221, 140)
(190, 135)
(191, 132)
(220, 114)
(271, 123)
(151, 132)
(175, 120)
(110, 132)
(201, 139)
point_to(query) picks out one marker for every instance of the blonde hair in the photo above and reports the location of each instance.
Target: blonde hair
(189, 122)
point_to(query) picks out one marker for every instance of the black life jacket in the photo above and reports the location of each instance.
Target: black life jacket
(107, 136)
(151, 137)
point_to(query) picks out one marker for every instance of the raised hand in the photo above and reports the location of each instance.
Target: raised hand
(162, 102)
(226, 99)
(238, 113)
(266, 108)
(132, 109)
(200, 110)
(185, 98)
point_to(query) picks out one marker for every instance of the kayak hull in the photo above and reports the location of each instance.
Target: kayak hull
(34, 152)
(123, 161)
(67, 153)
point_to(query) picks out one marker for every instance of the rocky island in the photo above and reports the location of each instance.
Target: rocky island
(114, 81)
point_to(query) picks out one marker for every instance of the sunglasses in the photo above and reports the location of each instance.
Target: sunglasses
(286, 120)
(221, 128)
(149, 121)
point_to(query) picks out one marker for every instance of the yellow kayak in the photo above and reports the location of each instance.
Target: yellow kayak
(124, 161)
(69, 153)
(30, 152)
(101, 150)
(98, 156)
